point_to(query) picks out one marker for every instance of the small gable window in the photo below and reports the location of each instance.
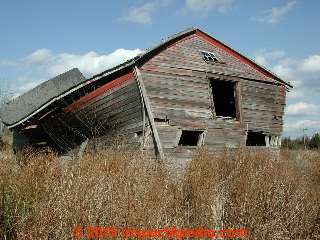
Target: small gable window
(209, 56)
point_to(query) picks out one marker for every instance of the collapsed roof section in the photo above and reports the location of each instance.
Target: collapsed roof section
(40, 97)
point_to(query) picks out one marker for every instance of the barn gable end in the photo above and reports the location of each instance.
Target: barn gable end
(179, 84)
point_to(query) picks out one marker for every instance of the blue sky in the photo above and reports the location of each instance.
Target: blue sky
(40, 39)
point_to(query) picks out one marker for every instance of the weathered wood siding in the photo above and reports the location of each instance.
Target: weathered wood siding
(185, 55)
(112, 108)
(117, 108)
(263, 107)
(177, 84)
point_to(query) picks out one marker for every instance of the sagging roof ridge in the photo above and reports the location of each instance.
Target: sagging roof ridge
(143, 56)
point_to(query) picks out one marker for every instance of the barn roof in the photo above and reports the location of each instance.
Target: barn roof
(20, 109)
(172, 39)
(29, 102)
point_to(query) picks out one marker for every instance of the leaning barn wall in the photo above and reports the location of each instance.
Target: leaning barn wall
(113, 108)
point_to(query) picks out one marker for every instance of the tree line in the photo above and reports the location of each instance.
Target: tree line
(303, 142)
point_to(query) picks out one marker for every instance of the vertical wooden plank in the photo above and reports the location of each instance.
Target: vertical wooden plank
(267, 139)
(149, 111)
(238, 98)
(142, 112)
(213, 111)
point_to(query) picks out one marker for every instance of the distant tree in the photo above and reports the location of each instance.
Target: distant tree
(302, 142)
(314, 142)
(287, 143)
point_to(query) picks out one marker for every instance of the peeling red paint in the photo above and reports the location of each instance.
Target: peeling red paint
(93, 95)
(282, 90)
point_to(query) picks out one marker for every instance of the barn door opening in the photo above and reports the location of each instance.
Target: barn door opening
(224, 98)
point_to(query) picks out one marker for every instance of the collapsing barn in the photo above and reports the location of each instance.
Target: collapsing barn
(190, 90)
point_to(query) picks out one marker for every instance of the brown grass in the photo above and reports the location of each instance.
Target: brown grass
(43, 198)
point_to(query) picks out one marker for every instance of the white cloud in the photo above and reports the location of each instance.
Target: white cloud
(315, 124)
(264, 56)
(311, 64)
(303, 74)
(205, 6)
(274, 14)
(38, 56)
(24, 83)
(261, 60)
(285, 67)
(302, 109)
(141, 14)
(43, 64)
(89, 63)
(296, 93)
(288, 72)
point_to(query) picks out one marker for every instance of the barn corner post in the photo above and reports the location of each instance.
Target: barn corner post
(146, 104)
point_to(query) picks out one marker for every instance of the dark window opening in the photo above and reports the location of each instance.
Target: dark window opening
(160, 120)
(209, 56)
(190, 138)
(255, 139)
(223, 93)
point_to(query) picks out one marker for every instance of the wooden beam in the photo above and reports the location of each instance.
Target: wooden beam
(238, 99)
(149, 111)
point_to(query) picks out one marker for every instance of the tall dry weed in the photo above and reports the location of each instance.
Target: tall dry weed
(272, 197)
(43, 197)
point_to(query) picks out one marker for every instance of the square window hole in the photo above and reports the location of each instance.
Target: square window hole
(190, 138)
(255, 139)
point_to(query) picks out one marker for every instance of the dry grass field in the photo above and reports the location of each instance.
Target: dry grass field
(45, 198)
